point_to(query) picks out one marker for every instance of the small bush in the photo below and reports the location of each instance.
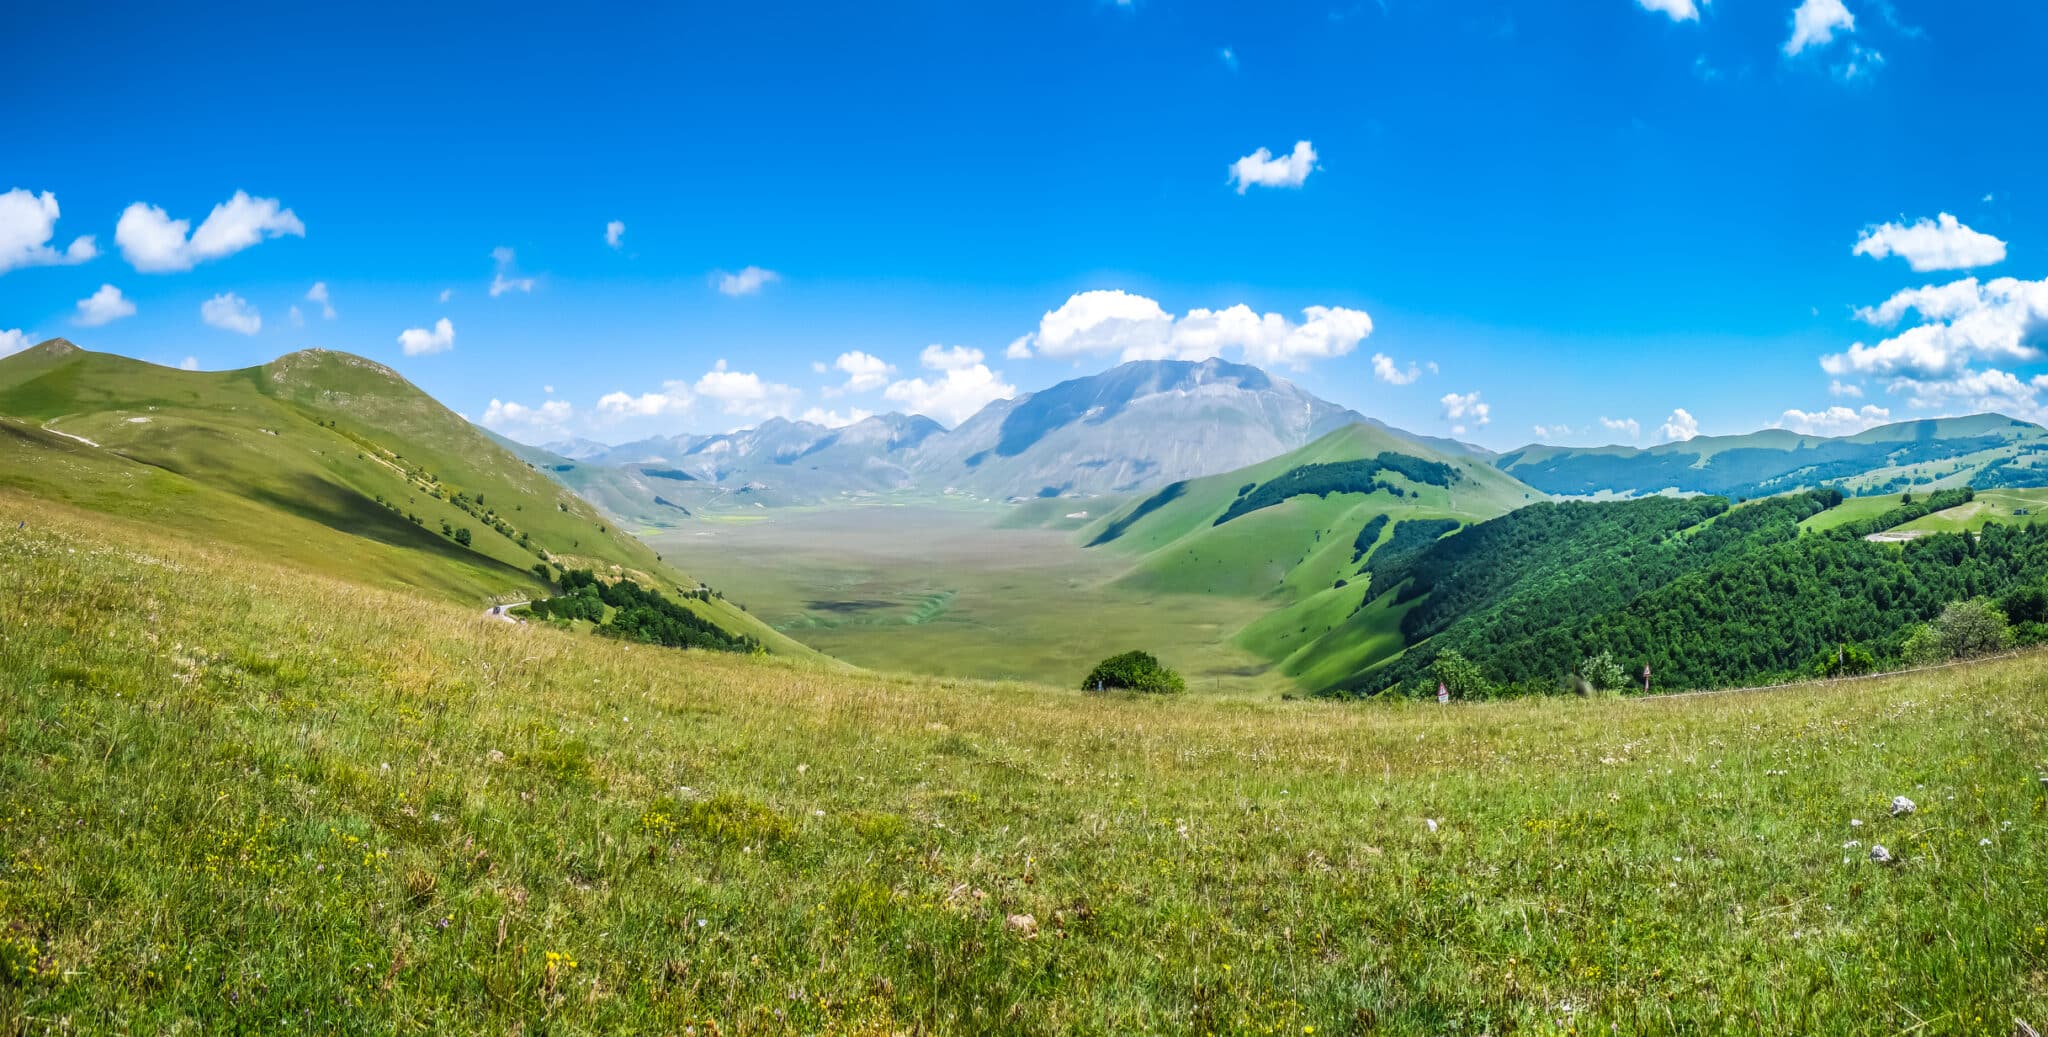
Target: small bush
(1135, 671)
(1963, 630)
(1602, 674)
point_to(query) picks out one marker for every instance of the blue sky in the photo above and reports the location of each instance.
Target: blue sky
(1550, 214)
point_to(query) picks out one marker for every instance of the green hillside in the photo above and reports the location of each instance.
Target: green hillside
(1288, 530)
(1704, 594)
(324, 459)
(238, 798)
(1983, 450)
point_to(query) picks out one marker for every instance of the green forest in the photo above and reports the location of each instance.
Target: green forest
(636, 614)
(1360, 476)
(1704, 593)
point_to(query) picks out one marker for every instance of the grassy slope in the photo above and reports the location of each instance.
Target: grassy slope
(1296, 552)
(236, 796)
(291, 457)
(1990, 506)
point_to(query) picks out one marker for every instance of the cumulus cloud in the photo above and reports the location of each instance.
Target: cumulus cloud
(1845, 389)
(748, 281)
(2003, 319)
(1977, 391)
(1019, 348)
(1630, 426)
(745, 393)
(426, 342)
(1679, 427)
(503, 279)
(953, 396)
(103, 307)
(13, 341)
(1465, 410)
(941, 358)
(1552, 432)
(865, 372)
(190, 363)
(1834, 421)
(834, 419)
(1942, 243)
(1384, 369)
(1138, 328)
(231, 312)
(154, 243)
(318, 293)
(28, 222)
(615, 233)
(1814, 24)
(508, 418)
(674, 398)
(1261, 169)
(1679, 10)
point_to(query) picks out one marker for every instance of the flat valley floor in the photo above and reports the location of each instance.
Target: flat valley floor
(945, 590)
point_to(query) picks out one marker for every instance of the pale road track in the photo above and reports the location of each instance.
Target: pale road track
(498, 611)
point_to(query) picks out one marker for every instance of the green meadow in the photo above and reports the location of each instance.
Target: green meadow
(241, 797)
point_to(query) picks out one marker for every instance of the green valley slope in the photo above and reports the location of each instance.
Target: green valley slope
(1301, 550)
(322, 459)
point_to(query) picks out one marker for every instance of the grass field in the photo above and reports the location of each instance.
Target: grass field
(1989, 506)
(242, 798)
(953, 591)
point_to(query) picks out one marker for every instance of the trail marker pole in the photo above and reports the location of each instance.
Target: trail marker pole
(1646, 678)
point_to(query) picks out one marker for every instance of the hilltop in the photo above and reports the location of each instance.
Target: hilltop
(1984, 450)
(324, 459)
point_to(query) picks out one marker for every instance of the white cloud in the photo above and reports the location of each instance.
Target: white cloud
(1814, 24)
(834, 419)
(424, 342)
(27, 224)
(154, 243)
(674, 398)
(447, 294)
(1137, 328)
(615, 233)
(103, 307)
(1977, 391)
(1679, 10)
(748, 281)
(1552, 432)
(952, 397)
(231, 312)
(1863, 62)
(865, 372)
(941, 358)
(1942, 243)
(508, 418)
(13, 341)
(1679, 427)
(1261, 169)
(1628, 425)
(1103, 321)
(1384, 368)
(1465, 410)
(2001, 319)
(502, 279)
(190, 363)
(1019, 348)
(1834, 421)
(1845, 389)
(318, 293)
(745, 393)
(1229, 58)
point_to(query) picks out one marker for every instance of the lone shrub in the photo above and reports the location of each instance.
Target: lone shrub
(1136, 671)
(1964, 629)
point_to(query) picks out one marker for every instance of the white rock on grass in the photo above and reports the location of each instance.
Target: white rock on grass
(1880, 855)
(1901, 806)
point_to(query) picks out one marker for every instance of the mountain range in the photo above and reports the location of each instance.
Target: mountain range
(1147, 424)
